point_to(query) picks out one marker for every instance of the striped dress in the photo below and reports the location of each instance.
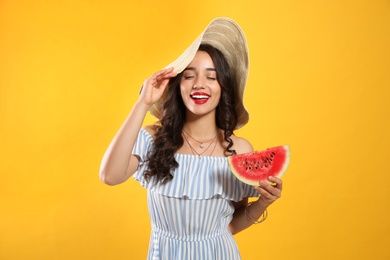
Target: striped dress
(191, 213)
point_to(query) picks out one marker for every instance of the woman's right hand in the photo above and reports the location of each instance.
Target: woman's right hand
(154, 86)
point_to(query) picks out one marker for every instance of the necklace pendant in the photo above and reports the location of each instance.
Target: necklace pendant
(201, 145)
(199, 157)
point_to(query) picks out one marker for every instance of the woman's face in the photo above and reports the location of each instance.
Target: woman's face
(199, 86)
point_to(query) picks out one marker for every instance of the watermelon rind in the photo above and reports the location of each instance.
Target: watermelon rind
(254, 181)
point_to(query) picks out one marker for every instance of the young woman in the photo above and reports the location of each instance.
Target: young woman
(195, 202)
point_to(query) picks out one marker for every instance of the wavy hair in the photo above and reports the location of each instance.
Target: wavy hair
(168, 138)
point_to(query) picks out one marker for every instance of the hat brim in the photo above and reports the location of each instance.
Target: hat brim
(225, 35)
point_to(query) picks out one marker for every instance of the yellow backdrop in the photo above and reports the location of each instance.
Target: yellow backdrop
(319, 81)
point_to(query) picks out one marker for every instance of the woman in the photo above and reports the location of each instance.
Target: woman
(195, 203)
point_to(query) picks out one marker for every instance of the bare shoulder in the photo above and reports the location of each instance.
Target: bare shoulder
(151, 129)
(241, 145)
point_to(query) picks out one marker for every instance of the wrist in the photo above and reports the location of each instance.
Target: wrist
(142, 105)
(249, 216)
(261, 203)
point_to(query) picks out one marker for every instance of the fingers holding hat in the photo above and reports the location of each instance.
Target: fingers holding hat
(154, 86)
(163, 77)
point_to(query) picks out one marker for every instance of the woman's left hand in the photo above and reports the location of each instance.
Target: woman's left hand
(269, 192)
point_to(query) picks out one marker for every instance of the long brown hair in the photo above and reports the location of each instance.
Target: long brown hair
(168, 138)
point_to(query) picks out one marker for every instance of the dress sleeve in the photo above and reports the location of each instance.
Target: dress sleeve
(247, 191)
(141, 149)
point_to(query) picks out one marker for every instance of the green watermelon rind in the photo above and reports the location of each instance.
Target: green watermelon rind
(256, 183)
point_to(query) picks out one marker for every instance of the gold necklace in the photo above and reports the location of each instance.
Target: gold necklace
(201, 144)
(199, 154)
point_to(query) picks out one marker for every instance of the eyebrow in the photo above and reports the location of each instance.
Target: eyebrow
(193, 68)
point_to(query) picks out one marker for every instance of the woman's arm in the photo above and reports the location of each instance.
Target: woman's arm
(118, 164)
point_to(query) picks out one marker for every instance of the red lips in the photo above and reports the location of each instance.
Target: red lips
(200, 97)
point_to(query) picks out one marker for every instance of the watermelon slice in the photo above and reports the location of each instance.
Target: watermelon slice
(253, 167)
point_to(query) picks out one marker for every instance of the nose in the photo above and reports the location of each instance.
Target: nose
(198, 85)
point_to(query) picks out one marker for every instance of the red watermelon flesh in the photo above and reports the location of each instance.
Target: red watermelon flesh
(253, 167)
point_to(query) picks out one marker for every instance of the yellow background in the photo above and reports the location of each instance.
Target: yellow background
(319, 81)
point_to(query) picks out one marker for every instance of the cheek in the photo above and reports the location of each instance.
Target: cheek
(184, 90)
(184, 86)
(218, 93)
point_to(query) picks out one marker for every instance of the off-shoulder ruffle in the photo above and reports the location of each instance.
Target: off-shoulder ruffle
(195, 178)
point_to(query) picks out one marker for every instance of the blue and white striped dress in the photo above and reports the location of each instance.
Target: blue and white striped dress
(191, 213)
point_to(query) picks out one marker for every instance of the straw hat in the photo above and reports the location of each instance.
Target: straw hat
(225, 35)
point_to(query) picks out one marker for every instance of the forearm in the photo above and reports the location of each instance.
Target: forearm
(242, 220)
(116, 166)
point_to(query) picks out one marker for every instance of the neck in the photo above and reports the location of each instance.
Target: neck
(201, 128)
